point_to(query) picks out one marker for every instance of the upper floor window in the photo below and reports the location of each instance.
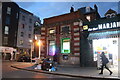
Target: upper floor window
(7, 20)
(87, 9)
(37, 24)
(51, 31)
(29, 35)
(23, 18)
(30, 28)
(22, 34)
(21, 42)
(8, 10)
(16, 15)
(5, 40)
(88, 18)
(113, 15)
(23, 26)
(6, 30)
(65, 29)
(108, 15)
(30, 20)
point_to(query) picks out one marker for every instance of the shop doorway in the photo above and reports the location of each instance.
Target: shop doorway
(110, 47)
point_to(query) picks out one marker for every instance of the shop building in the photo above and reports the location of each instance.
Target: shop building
(103, 35)
(60, 35)
(9, 15)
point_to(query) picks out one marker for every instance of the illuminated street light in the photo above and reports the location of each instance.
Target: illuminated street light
(31, 41)
(39, 44)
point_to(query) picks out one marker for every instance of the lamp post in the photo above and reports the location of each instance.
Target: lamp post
(39, 44)
(31, 49)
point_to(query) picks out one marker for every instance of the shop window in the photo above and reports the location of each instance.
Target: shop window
(52, 48)
(65, 45)
(8, 10)
(5, 41)
(6, 30)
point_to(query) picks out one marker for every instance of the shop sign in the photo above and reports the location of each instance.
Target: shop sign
(105, 26)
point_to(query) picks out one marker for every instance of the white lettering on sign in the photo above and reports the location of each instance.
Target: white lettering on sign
(105, 26)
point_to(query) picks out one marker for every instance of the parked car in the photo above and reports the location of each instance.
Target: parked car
(24, 59)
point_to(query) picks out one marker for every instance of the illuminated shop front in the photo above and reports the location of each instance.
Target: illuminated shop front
(104, 35)
(110, 47)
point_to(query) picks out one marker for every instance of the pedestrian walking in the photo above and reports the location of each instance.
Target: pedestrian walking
(104, 63)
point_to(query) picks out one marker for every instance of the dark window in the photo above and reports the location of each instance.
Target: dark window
(5, 41)
(23, 18)
(23, 26)
(30, 20)
(7, 20)
(65, 29)
(29, 35)
(30, 28)
(22, 34)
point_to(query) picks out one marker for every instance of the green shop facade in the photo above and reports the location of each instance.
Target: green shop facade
(102, 35)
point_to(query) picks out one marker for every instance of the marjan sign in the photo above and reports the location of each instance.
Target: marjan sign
(111, 25)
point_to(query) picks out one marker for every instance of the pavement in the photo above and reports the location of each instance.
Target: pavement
(72, 71)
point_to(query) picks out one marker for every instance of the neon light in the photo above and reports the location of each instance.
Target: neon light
(65, 45)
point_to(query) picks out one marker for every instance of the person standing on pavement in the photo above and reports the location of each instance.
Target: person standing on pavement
(104, 63)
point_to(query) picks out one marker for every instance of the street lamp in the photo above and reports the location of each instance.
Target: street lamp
(39, 44)
(31, 41)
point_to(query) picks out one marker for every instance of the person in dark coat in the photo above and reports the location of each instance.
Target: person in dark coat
(104, 63)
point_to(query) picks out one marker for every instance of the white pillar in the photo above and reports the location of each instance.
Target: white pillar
(118, 57)
(39, 49)
(11, 56)
(31, 51)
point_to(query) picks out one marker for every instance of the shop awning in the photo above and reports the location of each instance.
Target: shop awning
(107, 34)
